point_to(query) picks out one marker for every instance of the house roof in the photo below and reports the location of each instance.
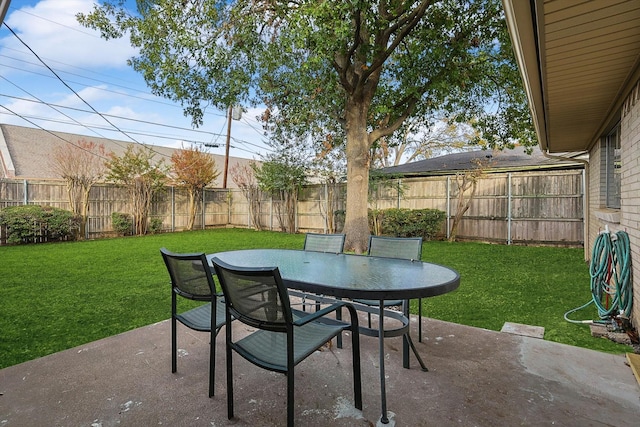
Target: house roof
(578, 60)
(4, 6)
(497, 161)
(25, 153)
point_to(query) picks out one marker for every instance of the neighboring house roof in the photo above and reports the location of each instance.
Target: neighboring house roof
(25, 153)
(495, 161)
(579, 61)
(4, 6)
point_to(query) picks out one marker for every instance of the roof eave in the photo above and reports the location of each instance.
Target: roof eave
(524, 37)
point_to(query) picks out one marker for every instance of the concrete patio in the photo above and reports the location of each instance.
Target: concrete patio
(477, 378)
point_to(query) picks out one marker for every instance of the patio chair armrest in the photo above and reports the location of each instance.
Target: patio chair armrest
(323, 312)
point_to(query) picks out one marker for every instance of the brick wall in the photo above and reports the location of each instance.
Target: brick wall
(628, 217)
(630, 187)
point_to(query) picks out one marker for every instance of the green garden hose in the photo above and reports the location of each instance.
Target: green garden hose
(610, 271)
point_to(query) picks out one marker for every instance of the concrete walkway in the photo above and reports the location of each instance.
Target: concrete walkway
(476, 378)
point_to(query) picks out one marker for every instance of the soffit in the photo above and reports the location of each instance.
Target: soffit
(587, 60)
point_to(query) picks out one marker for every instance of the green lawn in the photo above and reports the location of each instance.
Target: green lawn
(57, 296)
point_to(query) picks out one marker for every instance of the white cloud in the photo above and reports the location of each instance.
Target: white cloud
(96, 69)
(50, 29)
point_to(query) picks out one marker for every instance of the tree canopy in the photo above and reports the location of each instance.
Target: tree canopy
(138, 172)
(193, 170)
(344, 73)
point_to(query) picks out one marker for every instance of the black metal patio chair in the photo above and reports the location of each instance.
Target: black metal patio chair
(192, 278)
(395, 247)
(284, 337)
(317, 242)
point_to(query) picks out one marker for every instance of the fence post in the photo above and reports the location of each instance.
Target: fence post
(271, 212)
(173, 208)
(26, 192)
(295, 217)
(229, 200)
(326, 204)
(203, 209)
(509, 199)
(448, 204)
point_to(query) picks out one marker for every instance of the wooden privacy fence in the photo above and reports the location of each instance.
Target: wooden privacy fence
(541, 207)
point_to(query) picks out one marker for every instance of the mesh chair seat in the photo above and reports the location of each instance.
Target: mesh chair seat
(199, 318)
(269, 349)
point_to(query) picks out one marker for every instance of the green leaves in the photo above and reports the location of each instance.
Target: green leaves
(349, 72)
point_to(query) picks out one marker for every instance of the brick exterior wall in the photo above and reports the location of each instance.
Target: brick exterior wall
(630, 188)
(628, 218)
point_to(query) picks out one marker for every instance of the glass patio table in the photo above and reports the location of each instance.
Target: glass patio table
(354, 277)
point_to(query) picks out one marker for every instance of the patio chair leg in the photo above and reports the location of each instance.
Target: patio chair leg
(212, 362)
(290, 396)
(174, 346)
(229, 374)
(355, 357)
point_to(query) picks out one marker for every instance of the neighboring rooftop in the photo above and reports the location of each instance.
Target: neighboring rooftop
(25, 153)
(497, 161)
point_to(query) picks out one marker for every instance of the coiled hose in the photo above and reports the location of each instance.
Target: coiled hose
(610, 271)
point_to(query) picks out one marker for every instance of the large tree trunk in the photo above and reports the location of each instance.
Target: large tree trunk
(356, 225)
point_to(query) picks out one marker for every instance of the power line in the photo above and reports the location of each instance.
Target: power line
(154, 98)
(54, 108)
(215, 136)
(57, 23)
(65, 83)
(52, 133)
(29, 119)
(108, 115)
(104, 116)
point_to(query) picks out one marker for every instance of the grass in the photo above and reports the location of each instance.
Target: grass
(58, 296)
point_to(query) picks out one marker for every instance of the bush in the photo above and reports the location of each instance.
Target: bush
(122, 223)
(155, 225)
(36, 224)
(423, 223)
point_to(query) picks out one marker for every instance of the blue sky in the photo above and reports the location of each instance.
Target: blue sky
(96, 70)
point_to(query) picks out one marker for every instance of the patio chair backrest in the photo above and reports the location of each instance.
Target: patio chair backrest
(190, 275)
(396, 247)
(255, 296)
(316, 242)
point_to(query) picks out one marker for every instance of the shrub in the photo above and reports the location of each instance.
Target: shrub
(122, 223)
(35, 223)
(423, 223)
(155, 225)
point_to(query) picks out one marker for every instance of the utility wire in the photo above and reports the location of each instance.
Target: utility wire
(74, 92)
(154, 99)
(53, 133)
(109, 115)
(57, 23)
(56, 109)
(104, 116)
